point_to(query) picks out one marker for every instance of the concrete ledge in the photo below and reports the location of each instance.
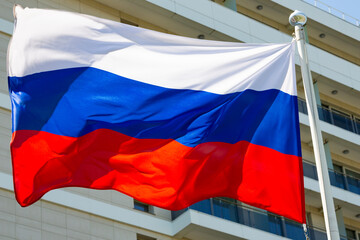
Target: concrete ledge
(322, 16)
(337, 193)
(6, 27)
(5, 101)
(193, 219)
(99, 208)
(333, 130)
(208, 227)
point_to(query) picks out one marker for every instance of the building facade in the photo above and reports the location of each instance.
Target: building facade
(334, 54)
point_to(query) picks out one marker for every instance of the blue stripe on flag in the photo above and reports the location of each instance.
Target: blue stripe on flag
(73, 102)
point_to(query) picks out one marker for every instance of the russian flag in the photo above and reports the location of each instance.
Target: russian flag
(165, 119)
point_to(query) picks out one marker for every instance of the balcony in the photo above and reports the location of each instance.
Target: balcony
(236, 212)
(337, 179)
(334, 11)
(333, 117)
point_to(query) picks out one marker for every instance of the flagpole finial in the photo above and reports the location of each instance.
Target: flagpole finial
(297, 18)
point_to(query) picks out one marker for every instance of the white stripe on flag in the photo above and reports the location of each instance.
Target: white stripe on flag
(71, 40)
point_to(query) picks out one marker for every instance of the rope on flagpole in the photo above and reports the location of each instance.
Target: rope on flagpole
(306, 233)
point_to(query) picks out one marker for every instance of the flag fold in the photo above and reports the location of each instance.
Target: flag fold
(165, 119)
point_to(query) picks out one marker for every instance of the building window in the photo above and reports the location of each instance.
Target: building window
(357, 124)
(351, 234)
(342, 120)
(143, 207)
(143, 237)
(309, 219)
(338, 168)
(352, 173)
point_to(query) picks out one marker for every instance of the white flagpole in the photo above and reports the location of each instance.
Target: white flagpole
(298, 19)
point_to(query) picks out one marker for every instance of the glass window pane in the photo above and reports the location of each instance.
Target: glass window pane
(176, 214)
(337, 179)
(245, 216)
(352, 174)
(202, 206)
(275, 225)
(353, 179)
(342, 120)
(225, 209)
(357, 125)
(324, 114)
(338, 168)
(350, 234)
(229, 211)
(302, 106)
(141, 206)
(316, 234)
(294, 230)
(309, 170)
(260, 221)
(354, 184)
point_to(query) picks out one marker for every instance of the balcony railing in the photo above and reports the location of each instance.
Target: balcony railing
(337, 179)
(252, 217)
(334, 11)
(333, 117)
(236, 212)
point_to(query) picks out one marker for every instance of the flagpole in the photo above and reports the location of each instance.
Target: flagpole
(298, 20)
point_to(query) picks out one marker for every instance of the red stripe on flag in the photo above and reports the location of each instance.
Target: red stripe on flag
(159, 172)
